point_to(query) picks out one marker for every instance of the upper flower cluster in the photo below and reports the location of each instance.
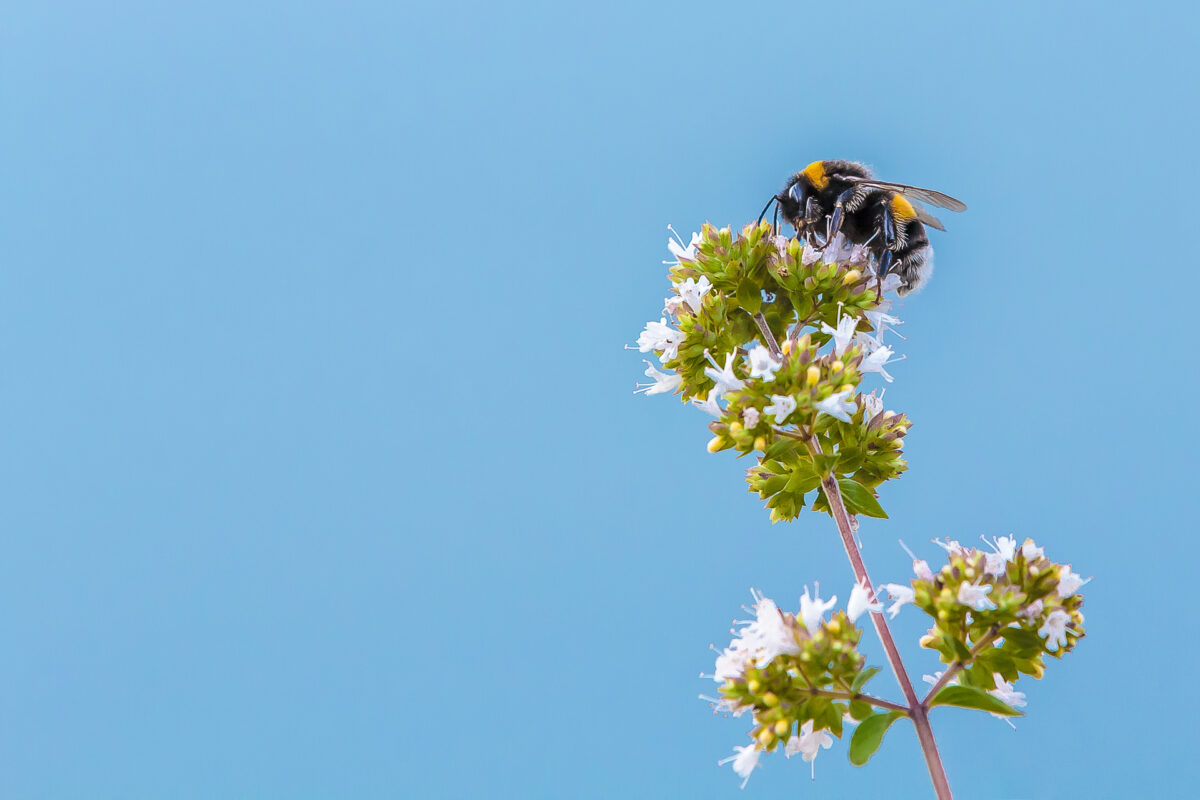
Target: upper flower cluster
(773, 338)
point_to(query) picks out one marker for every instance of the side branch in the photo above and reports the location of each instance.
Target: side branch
(958, 666)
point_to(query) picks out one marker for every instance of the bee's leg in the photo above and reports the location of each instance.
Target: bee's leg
(888, 226)
(835, 223)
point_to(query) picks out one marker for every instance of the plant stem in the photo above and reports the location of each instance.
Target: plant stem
(767, 336)
(866, 698)
(918, 712)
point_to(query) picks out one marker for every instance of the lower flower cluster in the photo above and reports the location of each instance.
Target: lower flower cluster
(800, 676)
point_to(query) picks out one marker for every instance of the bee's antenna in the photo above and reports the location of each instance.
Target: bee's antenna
(764, 211)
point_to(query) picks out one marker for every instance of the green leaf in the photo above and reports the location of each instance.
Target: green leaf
(869, 736)
(1021, 641)
(961, 651)
(749, 296)
(860, 709)
(970, 697)
(859, 499)
(825, 462)
(860, 680)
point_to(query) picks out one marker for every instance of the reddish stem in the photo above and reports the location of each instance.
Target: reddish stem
(918, 712)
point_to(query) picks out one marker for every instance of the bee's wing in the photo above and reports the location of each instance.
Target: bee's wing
(917, 193)
(927, 218)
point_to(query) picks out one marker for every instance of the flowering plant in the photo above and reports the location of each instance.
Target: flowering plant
(773, 338)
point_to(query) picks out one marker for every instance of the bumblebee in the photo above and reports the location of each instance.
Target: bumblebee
(887, 218)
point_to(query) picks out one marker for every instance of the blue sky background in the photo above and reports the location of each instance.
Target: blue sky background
(322, 475)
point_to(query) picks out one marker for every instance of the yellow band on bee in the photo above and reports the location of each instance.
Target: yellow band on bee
(815, 172)
(902, 208)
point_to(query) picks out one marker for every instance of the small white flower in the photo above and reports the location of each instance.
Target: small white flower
(709, 404)
(876, 361)
(773, 633)
(843, 333)
(725, 378)
(1035, 609)
(859, 255)
(671, 305)
(975, 596)
(836, 250)
(900, 595)
(744, 762)
(880, 319)
(860, 601)
(1004, 549)
(762, 363)
(782, 405)
(663, 381)
(811, 255)
(839, 405)
(693, 292)
(750, 416)
(1068, 581)
(952, 547)
(934, 678)
(1031, 551)
(660, 336)
(1054, 630)
(1005, 693)
(808, 744)
(681, 253)
(867, 343)
(731, 663)
(812, 609)
(873, 405)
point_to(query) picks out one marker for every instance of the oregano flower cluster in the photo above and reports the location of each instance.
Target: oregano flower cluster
(774, 338)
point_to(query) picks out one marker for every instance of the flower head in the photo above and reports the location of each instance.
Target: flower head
(681, 253)
(663, 381)
(812, 609)
(843, 333)
(692, 292)
(709, 404)
(750, 416)
(876, 361)
(839, 405)
(744, 761)
(660, 336)
(997, 561)
(762, 363)
(1068, 581)
(975, 596)
(1054, 629)
(900, 595)
(860, 601)
(808, 744)
(1031, 551)
(872, 405)
(782, 405)
(725, 378)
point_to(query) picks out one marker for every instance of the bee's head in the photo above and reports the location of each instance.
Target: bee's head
(793, 199)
